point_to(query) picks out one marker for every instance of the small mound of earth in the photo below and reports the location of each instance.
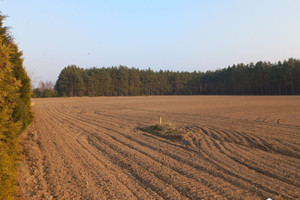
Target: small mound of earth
(163, 130)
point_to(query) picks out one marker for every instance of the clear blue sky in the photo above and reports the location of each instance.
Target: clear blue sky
(184, 35)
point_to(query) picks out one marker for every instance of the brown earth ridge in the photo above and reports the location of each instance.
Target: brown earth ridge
(232, 147)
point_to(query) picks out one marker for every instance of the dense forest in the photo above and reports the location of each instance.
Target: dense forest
(15, 109)
(262, 78)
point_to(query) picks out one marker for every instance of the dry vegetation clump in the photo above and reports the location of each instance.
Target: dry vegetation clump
(168, 131)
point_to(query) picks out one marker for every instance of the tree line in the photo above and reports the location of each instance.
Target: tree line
(262, 78)
(15, 109)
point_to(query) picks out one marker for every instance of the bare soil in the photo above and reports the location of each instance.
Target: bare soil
(232, 147)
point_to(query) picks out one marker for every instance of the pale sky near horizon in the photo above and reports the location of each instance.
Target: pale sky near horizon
(178, 35)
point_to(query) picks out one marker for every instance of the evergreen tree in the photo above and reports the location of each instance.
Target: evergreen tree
(15, 111)
(123, 81)
(70, 82)
(9, 87)
(134, 82)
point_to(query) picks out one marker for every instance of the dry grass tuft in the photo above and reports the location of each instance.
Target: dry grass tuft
(168, 131)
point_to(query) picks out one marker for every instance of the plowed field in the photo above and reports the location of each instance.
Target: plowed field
(231, 148)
